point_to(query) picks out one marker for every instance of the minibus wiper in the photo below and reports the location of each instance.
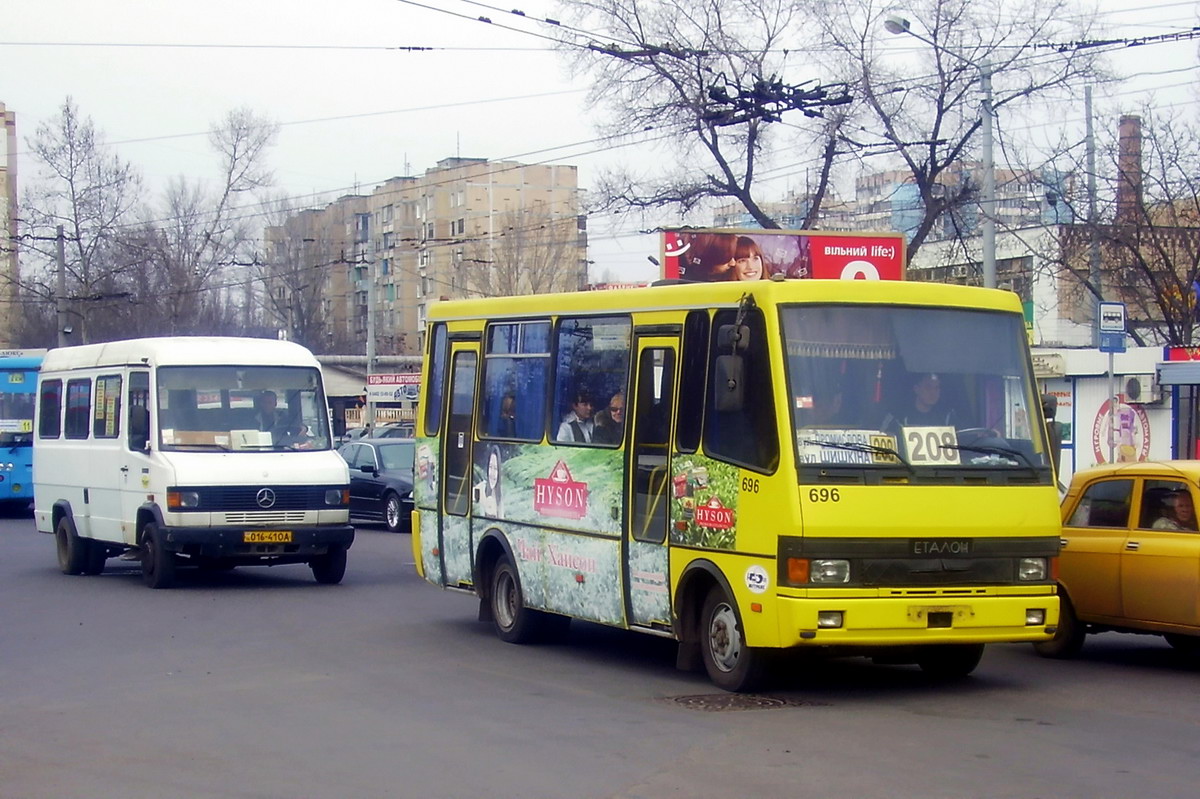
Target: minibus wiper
(988, 449)
(856, 446)
(221, 447)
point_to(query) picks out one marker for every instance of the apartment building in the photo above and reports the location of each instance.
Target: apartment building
(467, 227)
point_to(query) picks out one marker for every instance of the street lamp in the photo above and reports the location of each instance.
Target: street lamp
(899, 25)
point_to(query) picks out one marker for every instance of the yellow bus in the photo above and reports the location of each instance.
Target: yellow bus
(783, 480)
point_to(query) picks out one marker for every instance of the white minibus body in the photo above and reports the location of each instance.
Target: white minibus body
(213, 452)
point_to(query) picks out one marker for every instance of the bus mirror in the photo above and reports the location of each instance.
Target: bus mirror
(1049, 406)
(733, 338)
(728, 394)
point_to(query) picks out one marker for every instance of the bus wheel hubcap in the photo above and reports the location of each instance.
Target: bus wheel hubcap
(723, 640)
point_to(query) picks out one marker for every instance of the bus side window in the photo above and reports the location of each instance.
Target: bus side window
(437, 375)
(746, 436)
(692, 380)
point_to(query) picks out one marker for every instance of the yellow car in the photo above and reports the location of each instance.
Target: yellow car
(1130, 560)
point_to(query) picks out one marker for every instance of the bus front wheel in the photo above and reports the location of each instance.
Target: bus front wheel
(949, 661)
(730, 663)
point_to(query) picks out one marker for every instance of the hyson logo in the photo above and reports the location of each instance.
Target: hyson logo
(714, 515)
(559, 495)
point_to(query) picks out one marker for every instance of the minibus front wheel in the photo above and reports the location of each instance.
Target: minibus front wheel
(158, 565)
(730, 663)
(72, 550)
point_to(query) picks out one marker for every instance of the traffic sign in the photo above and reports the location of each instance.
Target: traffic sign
(1111, 318)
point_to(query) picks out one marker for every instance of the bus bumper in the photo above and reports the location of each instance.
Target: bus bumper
(900, 621)
(226, 543)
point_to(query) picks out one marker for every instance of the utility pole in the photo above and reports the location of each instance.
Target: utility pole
(989, 178)
(1093, 232)
(60, 299)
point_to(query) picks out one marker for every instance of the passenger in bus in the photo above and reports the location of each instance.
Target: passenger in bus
(748, 260)
(610, 422)
(508, 416)
(578, 425)
(1179, 513)
(925, 408)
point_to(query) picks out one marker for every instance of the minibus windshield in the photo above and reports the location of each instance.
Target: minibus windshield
(911, 387)
(255, 408)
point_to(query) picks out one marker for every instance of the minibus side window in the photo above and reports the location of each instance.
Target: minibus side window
(591, 372)
(139, 410)
(746, 436)
(50, 409)
(79, 405)
(108, 407)
(516, 372)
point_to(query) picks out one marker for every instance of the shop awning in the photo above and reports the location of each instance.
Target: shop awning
(1179, 373)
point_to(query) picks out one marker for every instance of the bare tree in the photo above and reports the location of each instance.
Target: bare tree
(91, 192)
(927, 109)
(533, 251)
(675, 68)
(1147, 230)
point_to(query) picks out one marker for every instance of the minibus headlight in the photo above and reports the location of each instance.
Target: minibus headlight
(337, 496)
(179, 500)
(1031, 569)
(829, 571)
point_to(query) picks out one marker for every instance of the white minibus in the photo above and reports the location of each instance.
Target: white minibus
(210, 452)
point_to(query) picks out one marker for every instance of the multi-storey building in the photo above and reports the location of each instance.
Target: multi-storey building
(467, 227)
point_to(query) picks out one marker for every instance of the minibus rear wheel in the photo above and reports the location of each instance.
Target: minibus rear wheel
(158, 565)
(730, 663)
(72, 550)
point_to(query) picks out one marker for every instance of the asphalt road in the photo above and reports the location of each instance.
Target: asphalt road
(261, 683)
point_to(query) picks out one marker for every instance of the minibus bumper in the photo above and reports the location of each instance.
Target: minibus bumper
(296, 544)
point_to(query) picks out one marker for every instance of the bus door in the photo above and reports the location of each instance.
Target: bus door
(647, 576)
(454, 521)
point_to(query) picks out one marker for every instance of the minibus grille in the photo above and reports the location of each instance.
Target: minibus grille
(265, 517)
(261, 499)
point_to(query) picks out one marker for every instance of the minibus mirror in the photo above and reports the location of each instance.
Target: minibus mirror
(139, 428)
(728, 394)
(734, 338)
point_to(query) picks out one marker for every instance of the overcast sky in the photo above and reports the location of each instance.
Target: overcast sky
(351, 115)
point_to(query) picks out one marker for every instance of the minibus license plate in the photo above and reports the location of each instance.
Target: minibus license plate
(267, 537)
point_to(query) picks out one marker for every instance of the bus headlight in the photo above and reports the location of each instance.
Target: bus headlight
(1031, 570)
(337, 496)
(179, 500)
(829, 571)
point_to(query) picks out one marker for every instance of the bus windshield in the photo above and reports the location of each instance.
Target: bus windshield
(888, 386)
(16, 415)
(241, 407)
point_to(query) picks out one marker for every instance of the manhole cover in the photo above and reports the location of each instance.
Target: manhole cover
(715, 703)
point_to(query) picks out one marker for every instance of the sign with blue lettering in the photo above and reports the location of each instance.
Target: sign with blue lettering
(1112, 342)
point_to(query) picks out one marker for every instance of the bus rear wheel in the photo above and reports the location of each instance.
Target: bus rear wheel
(949, 661)
(730, 663)
(72, 550)
(515, 623)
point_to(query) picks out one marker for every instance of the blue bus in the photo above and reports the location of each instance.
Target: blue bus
(18, 388)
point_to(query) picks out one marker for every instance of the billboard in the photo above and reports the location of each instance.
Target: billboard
(732, 254)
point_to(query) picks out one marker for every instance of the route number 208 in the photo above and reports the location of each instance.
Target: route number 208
(824, 495)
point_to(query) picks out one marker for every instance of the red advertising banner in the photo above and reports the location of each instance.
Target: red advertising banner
(711, 255)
